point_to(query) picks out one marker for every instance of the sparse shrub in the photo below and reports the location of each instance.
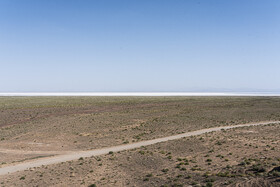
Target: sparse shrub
(242, 163)
(178, 176)
(177, 185)
(258, 168)
(142, 152)
(92, 185)
(126, 142)
(219, 143)
(183, 169)
(225, 174)
(181, 163)
(245, 162)
(220, 156)
(210, 180)
(275, 173)
(149, 175)
(228, 166)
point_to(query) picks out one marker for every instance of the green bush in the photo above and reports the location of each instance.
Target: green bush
(92, 185)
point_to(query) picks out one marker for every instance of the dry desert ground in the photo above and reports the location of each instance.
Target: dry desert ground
(38, 128)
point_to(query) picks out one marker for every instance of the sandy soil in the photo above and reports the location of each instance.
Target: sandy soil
(76, 155)
(36, 128)
(247, 156)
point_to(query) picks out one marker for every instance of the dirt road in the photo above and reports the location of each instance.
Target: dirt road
(73, 156)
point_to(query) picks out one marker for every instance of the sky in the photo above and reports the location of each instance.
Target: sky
(139, 45)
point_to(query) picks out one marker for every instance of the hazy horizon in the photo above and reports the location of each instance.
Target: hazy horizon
(245, 94)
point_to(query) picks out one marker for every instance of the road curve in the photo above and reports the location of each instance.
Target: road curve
(97, 152)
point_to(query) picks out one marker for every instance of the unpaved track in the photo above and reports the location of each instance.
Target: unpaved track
(97, 152)
(23, 152)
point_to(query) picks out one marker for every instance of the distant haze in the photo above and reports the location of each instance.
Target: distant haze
(140, 46)
(140, 94)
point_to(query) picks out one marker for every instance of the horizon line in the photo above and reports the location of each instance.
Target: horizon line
(11, 94)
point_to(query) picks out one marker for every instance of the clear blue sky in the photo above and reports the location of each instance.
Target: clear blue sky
(139, 45)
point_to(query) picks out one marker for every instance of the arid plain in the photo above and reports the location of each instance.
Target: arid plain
(34, 128)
